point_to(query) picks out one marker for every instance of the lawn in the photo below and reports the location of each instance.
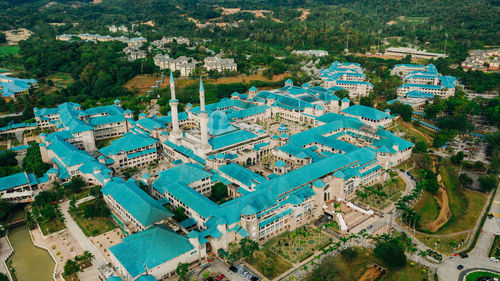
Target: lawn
(475, 275)
(8, 50)
(282, 265)
(353, 270)
(91, 226)
(466, 205)
(411, 135)
(495, 248)
(61, 80)
(427, 208)
(444, 244)
(298, 245)
(51, 226)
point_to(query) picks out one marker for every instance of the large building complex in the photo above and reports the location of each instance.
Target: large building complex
(423, 80)
(348, 76)
(277, 181)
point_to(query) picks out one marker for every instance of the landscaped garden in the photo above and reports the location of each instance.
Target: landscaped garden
(478, 274)
(380, 196)
(298, 245)
(92, 217)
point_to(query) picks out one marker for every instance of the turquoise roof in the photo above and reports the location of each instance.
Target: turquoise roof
(150, 248)
(319, 183)
(218, 124)
(231, 138)
(202, 89)
(253, 89)
(15, 180)
(175, 181)
(12, 85)
(128, 142)
(367, 112)
(419, 94)
(243, 175)
(186, 173)
(188, 223)
(138, 203)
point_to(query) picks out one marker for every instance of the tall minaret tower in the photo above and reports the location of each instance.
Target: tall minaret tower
(175, 134)
(203, 115)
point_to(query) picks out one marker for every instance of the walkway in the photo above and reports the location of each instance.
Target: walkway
(80, 237)
(5, 251)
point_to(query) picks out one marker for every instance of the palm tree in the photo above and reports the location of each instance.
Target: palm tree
(88, 256)
(421, 253)
(344, 240)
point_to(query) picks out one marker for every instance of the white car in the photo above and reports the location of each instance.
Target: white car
(494, 259)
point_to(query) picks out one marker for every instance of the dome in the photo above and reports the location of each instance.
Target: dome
(218, 123)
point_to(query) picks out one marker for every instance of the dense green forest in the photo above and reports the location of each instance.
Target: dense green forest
(98, 71)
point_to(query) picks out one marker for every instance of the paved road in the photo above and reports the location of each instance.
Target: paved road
(462, 274)
(478, 257)
(80, 237)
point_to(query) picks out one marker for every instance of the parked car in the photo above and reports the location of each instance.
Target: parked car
(460, 267)
(494, 259)
(464, 255)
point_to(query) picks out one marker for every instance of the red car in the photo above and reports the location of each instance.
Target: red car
(220, 277)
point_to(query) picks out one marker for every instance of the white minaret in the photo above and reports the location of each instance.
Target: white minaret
(203, 115)
(175, 134)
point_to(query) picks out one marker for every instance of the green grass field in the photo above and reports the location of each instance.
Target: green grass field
(91, 226)
(465, 205)
(427, 208)
(9, 50)
(475, 275)
(444, 244)
(61, 80)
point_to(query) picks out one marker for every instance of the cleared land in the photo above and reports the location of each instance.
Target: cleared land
(143, 83)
